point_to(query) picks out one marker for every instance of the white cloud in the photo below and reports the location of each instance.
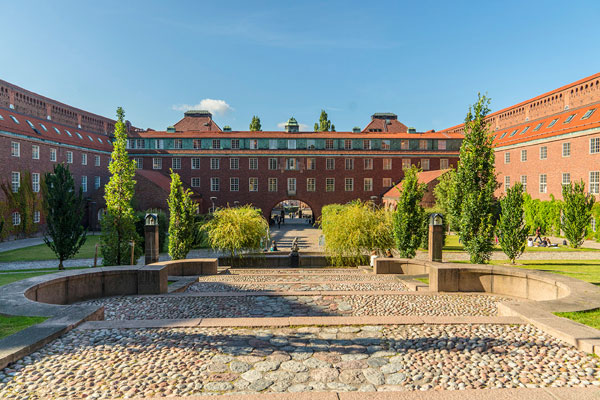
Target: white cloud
(219, 107)
(303, 127)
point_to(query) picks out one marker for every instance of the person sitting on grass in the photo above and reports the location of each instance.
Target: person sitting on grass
(544, 242)
(529, 242)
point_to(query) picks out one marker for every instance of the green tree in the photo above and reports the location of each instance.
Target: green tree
(236, 230)
(24, 201)
(324, 123)
(409, 214)
(443, 194)
(118, 223)
(64, 208)
(255, 124)
(181, 222)
(577, 212)
(512, 230)
(473, 205)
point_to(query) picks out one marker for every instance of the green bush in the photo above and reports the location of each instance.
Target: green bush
(543, 213)
(591, 234)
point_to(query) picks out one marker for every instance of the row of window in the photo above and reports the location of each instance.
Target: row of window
(566, 151)
(16, 218)
(290, 163)
(15, 181)
(567, 120)
(15, 151)
(272, 184)
(593, 186)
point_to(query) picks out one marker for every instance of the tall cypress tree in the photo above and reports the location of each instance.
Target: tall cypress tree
(473, 205)
(181, 222)
(512, 230)
(577, 212)
(324, 123)
(255, 124)
(409, 214)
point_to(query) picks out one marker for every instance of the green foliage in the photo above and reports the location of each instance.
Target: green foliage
(181, 222)
(595, 234)
(472, 203)
(512, 231)
(163, 228)
(355, 229)
(443, 192)
(64, 208)
(25, 201)
(324, 124)
(118, 223)
(426, 216)
(255, 124)
(545, 214)
(200, 235)
(236, 230)
(577, 212)
(409, 215)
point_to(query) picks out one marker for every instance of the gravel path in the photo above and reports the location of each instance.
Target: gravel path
(135, 363)
(294, 287)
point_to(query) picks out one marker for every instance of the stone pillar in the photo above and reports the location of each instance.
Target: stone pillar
(151, 239)
(436, 235)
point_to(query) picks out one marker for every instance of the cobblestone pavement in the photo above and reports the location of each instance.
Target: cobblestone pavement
(253, 278)
(294, 287)
(134, 363)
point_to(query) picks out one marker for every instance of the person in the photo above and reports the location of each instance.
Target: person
(278, 221)
(273, 246)
(529, 242)
(299, 214)
(282, 219)
(388, 253)
(544, 242)
(373, 257)
(538, 232)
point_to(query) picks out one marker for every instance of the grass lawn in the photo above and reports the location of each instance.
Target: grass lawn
(452, 245)
(424, 280)
(42, 252)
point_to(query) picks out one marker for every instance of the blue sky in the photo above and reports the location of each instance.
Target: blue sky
(424, 61)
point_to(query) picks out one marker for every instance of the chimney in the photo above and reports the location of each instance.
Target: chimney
(226, 128)
(170, 129)
(356, 129)
(412, 130)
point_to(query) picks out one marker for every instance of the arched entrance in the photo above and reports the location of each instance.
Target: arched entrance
(293, 212)
(291, 219)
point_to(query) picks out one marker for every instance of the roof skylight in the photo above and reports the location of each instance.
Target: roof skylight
(513, 133)
(588, 113)
(538, 126)
(569, 118)
(44, 127)
(56, 130)
(551, 124)
(16, 121)
(68, 133)
(524, 130)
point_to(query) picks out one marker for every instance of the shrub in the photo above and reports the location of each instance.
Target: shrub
(577, 212)
(512, 231)
(409, 215)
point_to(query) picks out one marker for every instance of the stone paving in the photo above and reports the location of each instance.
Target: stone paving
(201, 287)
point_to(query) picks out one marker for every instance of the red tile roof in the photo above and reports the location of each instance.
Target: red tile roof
(424, 177)
(394, 126)
(197, 124)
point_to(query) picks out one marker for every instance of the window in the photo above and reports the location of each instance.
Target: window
(523, 155)
(84, 159)
(387, 182)
(349, 163)
(69, 157)
(272, 184)
(569, 118)
(524, 130)
(538, 126)
(588, 113)
(291, 185)
(16, 121)
(35, 182)
(311, 184)
(551, 124)
(15, 149)
(507, 158)
(441, 145)
(273, 144)
(310, 144)
(594, 145)
(329, 184)
(513, 133)
(195, 182)
(35, 152)
(56, 130)
(330, 163)
(253, 184)
(387, 163)
(79, 135)
(195, 163)
(404, 144)
(543, 153)
(68, 133)
(235, 144)
(566, 178)
(97, 161)
(443, 163)
(234, 163)
(543, 183)
(385, 144)
(96, 182)
(524, 182)
(253, 163)
(16, 218)
(425, 164)
(594, 182)
(254, 144)
(215, 163)
(348, 144)
(368, 163)
(291, 163)
(422, 144)
(178, 144)
(159, 144)
(406, 163)
(36, 217)
(368, 184)
(273, 164)
(366, 144)
(157, 163)
(139, 163)
(44, 127)
(197, 144)
(506, 183)
(566, 149)
(349, 184)
(234, 184)
(215, 184)
(53, 155)
(291, 144)
(328, 144)
(176, 163)
(216, 144)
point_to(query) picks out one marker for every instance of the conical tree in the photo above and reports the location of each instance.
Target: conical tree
(181, 222)
(255, 124)
(512, 230)
(324, 124)
(409, 214)
(577, 212)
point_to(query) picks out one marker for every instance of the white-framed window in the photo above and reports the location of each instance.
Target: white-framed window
(197, 144)
(273, 164)
(139, 163)
(97, 161)
(406, 163)
(291, 144)
(368, 163)
(329, 184)
(235, 144)
(69, 157)
(348, 144)
(273, 144)
(311, 184)
(543, 152)
(566, 149)
(595, 145)
(215, 163)
(368, 184)
(386, 144)
(84, 159)
(96, 182)
(234, 163)
(330, 163)
(15, 181)
(176, 163)
(387, 164)
(16, 219)
(156, 163)
(159, 144)
(311, 163)
(84, 184)
(178, 144)
(566, 178)
(35, 182)
(507, 158)
(441, 145)
(36, 217)
(443, 163)
(349, 184)
(253, 184)
(506, 183)
(216, 144)
(387, 182)
(195, 163)
(328, 144)
(35, 152)
(253, 163)
(311, 144)
(254, 144)
(422, 144)
(595, 182)
(425, 164)
(291, 163)
(215, 184)
(523, 155)
(524, 182)
(366, 144)
(291, 185)
(272, 184)
(349, 163)
(543, 183)
(15, 149)
(53, 155)
(404, 144)
(196, 182)
(234, 184)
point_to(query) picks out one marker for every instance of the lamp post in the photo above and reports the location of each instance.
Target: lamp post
(373, 200)
(236, 203)
(212, 200)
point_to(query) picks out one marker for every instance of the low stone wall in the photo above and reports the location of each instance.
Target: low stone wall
(278, 259)
(190, 267)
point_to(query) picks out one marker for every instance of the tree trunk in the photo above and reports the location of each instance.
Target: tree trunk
(60, 265)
